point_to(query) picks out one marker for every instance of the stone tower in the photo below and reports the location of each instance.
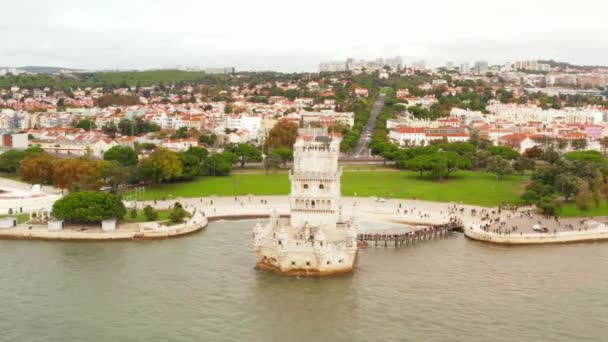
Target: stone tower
(315, 240)
(315, 179)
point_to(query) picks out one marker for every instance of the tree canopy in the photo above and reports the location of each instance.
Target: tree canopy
(124, 155)
(89, 207)
(283, 134)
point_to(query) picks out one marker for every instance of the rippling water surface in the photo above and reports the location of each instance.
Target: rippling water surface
(203, 288)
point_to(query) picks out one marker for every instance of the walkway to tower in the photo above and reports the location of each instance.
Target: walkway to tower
(404, 239)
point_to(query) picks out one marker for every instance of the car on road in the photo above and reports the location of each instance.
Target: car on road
(380, 200)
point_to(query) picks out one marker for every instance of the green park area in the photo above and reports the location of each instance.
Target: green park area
(163, 215)
(570, 210)
(477, 188)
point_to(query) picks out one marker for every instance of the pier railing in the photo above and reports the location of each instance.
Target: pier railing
(401, 239)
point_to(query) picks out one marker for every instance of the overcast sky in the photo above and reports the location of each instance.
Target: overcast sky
(297, 35)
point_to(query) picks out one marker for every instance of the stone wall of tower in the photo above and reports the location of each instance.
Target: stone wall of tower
(315, 179)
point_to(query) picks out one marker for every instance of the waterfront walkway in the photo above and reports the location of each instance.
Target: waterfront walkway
(512, 226)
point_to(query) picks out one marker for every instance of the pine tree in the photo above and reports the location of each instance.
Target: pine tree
(598, 187)
(584, 197)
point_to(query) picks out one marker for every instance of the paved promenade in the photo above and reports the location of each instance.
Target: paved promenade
(515, 226)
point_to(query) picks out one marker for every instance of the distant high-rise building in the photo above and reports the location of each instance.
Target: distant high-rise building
(530, 65)
(396, 64)
(449, 65)
(226, 70)
(419, 65)
(465, 68)
(481, 67)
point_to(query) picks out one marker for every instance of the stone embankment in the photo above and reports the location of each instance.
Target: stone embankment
(513, 226)
(600, 232)
(141, 231)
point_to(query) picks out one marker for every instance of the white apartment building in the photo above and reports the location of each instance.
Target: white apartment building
(525, 113)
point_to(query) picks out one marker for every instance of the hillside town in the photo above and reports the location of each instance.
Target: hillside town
(522, 104)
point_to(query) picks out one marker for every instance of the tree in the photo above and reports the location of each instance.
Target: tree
(208, 139)
(504, 151)
(9, 160)
(110, 129)
(199, 152)
(113, 174)
(133, 212)
(536, 190)
(124, 155)
(80, 173)
(85, 124)
(247, 153)
(272, 161)
(548, 205)
(162, 165)
(436, 164)
(283, 134)
(533, 152)
(177, 214)
(218, 165)
(285, 154)
(499, 166)
(37, 168)
(192, 165)
(562, 144)
(150, 213)
(598, 187)
(474, 137)
(89, 207)
(567, 185)
(192, 161)
(520, 165)
(228, 109)
(579, 144)
(589, 156)
(584, 196)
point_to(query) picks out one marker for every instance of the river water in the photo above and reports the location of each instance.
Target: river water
(203, 288)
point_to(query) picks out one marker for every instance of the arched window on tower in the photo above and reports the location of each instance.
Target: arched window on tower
(305, 186)
(312, 204)
(321, 186)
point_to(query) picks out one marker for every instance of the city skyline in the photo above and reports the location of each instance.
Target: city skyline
(145, 35)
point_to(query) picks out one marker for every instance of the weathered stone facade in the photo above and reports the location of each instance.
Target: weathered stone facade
(316, 240)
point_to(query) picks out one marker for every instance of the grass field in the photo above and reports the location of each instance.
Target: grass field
(467, 187)
(162, 215)
(570, 210)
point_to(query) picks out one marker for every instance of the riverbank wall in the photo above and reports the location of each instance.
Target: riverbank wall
(597, 234)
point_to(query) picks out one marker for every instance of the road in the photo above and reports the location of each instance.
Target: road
(361, 149)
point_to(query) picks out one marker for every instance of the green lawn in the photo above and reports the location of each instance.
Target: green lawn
(21, 218)
(468, 187)
(570, 210)
(162, 215)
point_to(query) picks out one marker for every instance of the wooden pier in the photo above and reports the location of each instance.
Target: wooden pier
(404, 239)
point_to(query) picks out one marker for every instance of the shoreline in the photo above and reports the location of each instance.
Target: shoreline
(591, 235)
(408, 213)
